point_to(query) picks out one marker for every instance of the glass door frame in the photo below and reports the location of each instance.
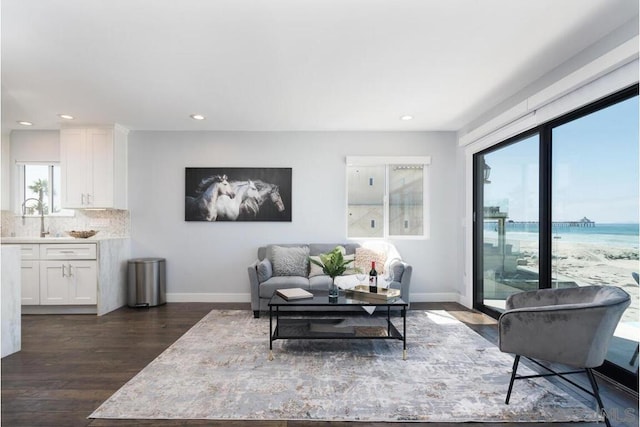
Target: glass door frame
(545, 213)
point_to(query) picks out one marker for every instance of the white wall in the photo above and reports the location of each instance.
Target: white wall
(5, 168)
(208, 261)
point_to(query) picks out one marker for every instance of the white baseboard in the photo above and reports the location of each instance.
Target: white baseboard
(209, 297)
(435, 297)
(59, 309)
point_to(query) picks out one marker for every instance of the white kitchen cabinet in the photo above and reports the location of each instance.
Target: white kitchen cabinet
(68, 274)
(93, 164)
(30, 282)
(72, 276)
(68, 282)
(30, 274)
(59, 274)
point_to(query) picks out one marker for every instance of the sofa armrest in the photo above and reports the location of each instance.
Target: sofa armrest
(403, 282)
(254, 285)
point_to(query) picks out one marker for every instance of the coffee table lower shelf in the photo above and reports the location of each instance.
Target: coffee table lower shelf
(336, 327)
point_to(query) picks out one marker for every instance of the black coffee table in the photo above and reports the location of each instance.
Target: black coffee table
(304, 322)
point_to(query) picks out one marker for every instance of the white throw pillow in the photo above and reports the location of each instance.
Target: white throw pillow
(315, 270)
(364, 256)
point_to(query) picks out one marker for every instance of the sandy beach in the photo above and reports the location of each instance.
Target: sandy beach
(592, 264)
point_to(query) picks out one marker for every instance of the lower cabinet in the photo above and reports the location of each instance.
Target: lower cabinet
(30, 281)
(68, 282)
(59, 274)
(72, 276)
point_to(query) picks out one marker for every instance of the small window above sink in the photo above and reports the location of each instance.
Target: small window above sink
(38, 187)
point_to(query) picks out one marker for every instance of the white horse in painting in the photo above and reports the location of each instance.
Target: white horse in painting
(203, 207)
(251, 204)
(229, 207)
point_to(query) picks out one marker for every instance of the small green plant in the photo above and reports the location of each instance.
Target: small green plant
(333, 263)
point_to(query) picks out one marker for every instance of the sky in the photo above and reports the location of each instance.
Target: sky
(595, 170)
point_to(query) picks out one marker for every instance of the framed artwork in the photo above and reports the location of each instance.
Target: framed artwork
(237, 194)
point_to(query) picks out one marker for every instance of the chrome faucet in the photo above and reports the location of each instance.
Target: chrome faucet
(40, 207)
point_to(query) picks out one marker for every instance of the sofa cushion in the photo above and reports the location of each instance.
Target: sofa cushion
(351, 268)
(320, 282)
(315, 270)
(290, 261)
(264, 270)
(323, 248)
(363, 259)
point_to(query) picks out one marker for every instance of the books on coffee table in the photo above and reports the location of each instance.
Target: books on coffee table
(294, 293)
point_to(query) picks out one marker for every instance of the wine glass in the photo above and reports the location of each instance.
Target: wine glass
(360, 275)
(388, 277)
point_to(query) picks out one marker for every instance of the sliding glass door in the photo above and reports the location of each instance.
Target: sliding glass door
(595, 212)
(507, 180)
(559, 206)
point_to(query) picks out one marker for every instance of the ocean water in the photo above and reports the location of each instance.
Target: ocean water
(619, 235)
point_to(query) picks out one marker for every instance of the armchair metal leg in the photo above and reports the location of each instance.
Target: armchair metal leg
(513, 378)
(596, 394)
(588, 371)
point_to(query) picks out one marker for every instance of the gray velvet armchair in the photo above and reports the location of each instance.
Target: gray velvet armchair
(570, 326)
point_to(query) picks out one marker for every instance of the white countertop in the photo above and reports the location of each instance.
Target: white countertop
(65, 239)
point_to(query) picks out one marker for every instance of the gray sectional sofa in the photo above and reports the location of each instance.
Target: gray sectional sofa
(281, 266)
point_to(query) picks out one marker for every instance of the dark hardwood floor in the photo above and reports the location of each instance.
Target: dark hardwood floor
(70, 364)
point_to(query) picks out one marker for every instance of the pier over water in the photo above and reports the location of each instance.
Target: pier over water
(584, 222)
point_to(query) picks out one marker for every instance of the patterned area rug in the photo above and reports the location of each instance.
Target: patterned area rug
(220, 370)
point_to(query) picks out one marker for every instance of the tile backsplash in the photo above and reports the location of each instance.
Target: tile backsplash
(109, 223)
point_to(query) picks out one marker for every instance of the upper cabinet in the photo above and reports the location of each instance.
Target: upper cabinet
(93, 163)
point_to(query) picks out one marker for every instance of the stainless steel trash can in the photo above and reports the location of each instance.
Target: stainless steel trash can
(147, 282)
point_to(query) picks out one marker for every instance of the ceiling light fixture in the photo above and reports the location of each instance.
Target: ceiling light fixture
(197, 117)
(406, 117)
(25, 123)
(66, 116)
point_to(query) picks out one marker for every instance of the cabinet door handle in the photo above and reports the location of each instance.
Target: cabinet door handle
(63, 271)
(67, 251)
(69, 267)
(82, 199)
(88, 199)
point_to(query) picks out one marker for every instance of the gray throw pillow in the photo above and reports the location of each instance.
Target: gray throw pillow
(264, 269)
(290, 261)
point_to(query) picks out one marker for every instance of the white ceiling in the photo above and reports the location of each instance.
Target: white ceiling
(284, 64)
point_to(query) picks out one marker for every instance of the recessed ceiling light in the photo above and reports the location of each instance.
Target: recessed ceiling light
(406, 117)
(25, 123)
(66, 116)
(197, 117)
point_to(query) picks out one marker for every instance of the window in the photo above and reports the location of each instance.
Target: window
(386, 197)
(558, 207)
(39, 187)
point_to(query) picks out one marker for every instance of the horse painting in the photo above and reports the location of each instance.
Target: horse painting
(220, 194)
(228, 208)
(203, 207)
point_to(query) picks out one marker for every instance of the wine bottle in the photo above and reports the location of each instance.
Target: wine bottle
(373, 278)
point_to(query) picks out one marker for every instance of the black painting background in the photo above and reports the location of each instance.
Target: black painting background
(278, 176)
